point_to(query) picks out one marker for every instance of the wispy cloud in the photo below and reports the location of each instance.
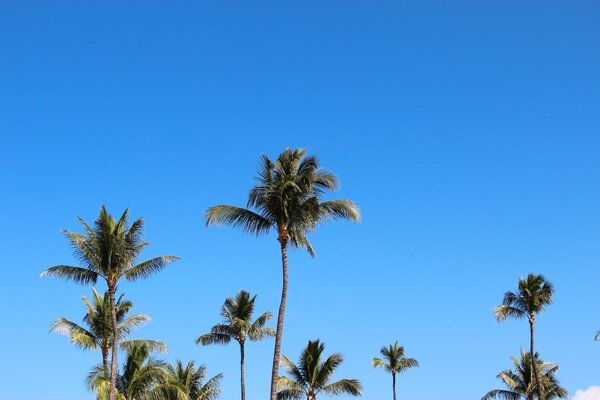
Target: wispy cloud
(591, 393)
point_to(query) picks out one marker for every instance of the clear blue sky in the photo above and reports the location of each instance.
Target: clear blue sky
(468, 133)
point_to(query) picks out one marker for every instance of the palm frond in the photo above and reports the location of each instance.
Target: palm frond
(501, 394)
(76, 274)
(247, 220)
(213, 338)
(344, 386)
(339, 209)
(153, 346)
(149, 267)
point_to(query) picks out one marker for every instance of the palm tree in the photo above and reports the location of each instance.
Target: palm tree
(394, 361)
(141, 374)
(533, 295)
(311, 375)
(237, 324)
(109, 250)
(287, 199)
(187, 383)
(98, 334)
(519, 382)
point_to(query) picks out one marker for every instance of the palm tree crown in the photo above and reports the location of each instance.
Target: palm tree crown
(520, 385)
(238, 325)
(187, 383)
(311, 375)
(394, 362)
(286, 198)
(141, 373)
(533, 295)
(109, 250)
(99, 334)
(237, 322)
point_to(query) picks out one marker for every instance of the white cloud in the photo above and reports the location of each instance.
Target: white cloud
(591, 393)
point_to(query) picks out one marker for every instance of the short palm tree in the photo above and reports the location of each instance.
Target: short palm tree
(98, 334)
(311, 376)
(394, 361)
(187, 383)
(287, 199)
(533, 295)
(109, 250)
(520, 385)
(238, 325)
(140, 375)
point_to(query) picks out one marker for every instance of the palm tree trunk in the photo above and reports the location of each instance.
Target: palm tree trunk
(540, 388)
(243, 385)
(394, 384)
(105, 360)
(280, 316)
(113, 367)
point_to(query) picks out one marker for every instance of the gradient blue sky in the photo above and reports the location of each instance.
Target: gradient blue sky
(468, 133)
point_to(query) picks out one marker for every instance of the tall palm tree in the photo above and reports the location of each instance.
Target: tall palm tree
(140, 375)
(311, 375)
(187, 383)
(109, 250)
(520, 385)
(394, 361)
(98, 334)
(287, 199)
(238, 325)
(533, 295)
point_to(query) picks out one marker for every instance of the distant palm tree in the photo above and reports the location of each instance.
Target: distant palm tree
(139, 377)
(519, 382)
(311, 376)
(98, 333)
(394, 361)
(187, 383)
(238, 325)
(109, 250)
(533, 295)
(287, 198)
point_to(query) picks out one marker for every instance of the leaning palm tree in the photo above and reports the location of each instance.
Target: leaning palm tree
(98, 333)
(238, 325)
(187, 383)
(109, 250)
(394, 361)
(311, 376)
(533, 295)
(140, 375)
(520, 385)
(287, 199)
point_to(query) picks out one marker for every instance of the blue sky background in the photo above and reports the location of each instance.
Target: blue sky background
(468, 133)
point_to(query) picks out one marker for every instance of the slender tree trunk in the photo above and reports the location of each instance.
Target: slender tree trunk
(394, 384)
(280, 316)
(105, 351)
(113, 367)
(243, 385)
(540, 388)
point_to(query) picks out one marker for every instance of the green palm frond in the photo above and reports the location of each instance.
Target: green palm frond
(213, 338)
(339, 209)
(75, 274)
(149, 267)
(288, 389)
(343, 386)
(154, 346)
(247, 220)
(77, 334)
(501, 394)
